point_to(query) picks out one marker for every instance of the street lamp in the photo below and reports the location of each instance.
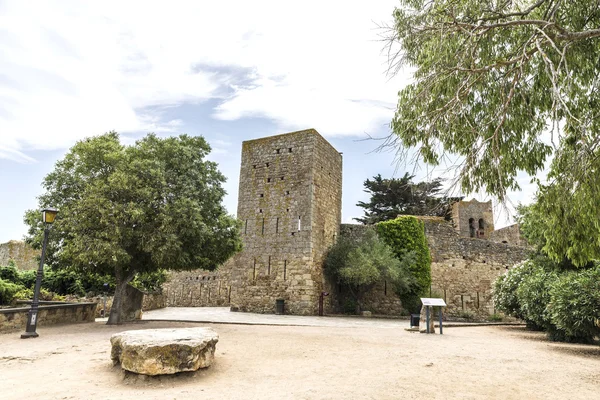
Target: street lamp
(48, 216)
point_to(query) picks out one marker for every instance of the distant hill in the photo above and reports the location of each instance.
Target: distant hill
(25, 256)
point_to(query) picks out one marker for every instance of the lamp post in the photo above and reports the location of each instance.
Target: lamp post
(48, 216)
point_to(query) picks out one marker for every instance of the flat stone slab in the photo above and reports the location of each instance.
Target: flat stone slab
(164, 351)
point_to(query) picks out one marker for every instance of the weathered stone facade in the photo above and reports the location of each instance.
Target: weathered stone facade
(473, 218)
(289, 204)
(290, 196)
(463, 269)
(23, 255)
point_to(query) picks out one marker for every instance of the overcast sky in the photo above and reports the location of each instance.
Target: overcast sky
(227, 70)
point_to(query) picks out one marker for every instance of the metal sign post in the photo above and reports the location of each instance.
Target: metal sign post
(430, 302)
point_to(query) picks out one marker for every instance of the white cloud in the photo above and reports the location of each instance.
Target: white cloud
(76, 68)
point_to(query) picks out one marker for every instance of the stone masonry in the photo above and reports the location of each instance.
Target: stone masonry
(290, 196)
(24, 256)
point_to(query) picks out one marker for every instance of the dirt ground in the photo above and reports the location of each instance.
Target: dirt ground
(279, 362)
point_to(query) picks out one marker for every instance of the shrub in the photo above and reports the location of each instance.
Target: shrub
(533, 296)
(495, 318)
(505, 289)
(63, 281)
(406, 234)
(8, 291)
(9, 273)
(575, 304)
(360, 264)
(24, 294)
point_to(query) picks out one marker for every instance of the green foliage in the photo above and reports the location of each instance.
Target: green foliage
(491, 78)
(150, 282)
(10, 273)
(495, 317)
(505, 289)
(24, 294)
(565, 304)
(8, 291)
(127, 210)
(405, 235)
(533, 296)
(393, 197)
(362, 263)
(575, 304)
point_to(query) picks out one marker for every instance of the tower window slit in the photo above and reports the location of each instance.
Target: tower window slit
(284, 269)
(263, 227)
(277, 225)
(246, 227)
(269, 266)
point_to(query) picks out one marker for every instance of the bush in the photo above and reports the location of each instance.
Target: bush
(495, 318)
(24, 294)
(8, 291)
(505, 289)
(9, 274)
(63, 281)
(406, 234)
(533, 296)
(575, 304)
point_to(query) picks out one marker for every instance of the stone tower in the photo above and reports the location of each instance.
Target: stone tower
(473, 218)
(290, 198)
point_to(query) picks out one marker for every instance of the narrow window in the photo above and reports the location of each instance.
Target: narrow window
(281, 178)
(267, 164)
(269, 266)
(287, 192)
(254, 270)
(287, 210)
(480, 223)
(284, 269)
(263, 227)
(254, 166)
(268, 179)
(277, 151)
(260, 210)
(277, 225)
(246, 227)
(385, 288)
(289, 149)
(299, 224)
(261, 195)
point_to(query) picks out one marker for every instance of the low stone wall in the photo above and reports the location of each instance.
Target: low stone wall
(154, 301)
(12, 319)
(197, 288)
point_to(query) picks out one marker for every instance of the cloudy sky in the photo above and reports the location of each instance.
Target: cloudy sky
(227, 70)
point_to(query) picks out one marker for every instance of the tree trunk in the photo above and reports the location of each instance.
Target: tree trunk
(114, 317)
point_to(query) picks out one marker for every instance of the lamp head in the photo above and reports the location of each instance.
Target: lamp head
(49, 214)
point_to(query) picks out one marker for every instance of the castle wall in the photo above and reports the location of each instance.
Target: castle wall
(510, 235)
(24, 256)
(463, 271)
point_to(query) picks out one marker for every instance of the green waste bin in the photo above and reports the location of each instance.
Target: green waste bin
(279, 306)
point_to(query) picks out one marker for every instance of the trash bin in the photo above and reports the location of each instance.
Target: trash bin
(414, 320)
(279, 306)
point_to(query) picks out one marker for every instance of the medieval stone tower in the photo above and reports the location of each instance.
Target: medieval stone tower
(473, 218)
(290, 197)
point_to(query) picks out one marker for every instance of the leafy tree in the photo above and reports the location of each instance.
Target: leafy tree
(404, 235)
(360, 264)
(503, 84)
(506, 286)
(401, 196)
(128, 210)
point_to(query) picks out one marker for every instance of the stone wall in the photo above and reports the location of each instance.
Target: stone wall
(24, 256)
(510, 235)
(197, 288)
(463, 270)
(12, 319)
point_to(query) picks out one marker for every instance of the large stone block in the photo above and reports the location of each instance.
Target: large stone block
(164, 351)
